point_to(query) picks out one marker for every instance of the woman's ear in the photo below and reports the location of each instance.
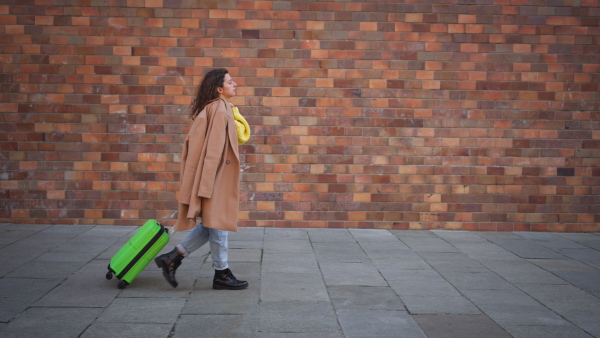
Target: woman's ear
(220, 90)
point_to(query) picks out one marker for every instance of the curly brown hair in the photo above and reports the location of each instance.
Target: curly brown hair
(207, 91)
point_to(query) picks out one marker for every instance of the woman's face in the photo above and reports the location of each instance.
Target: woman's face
(229, 88)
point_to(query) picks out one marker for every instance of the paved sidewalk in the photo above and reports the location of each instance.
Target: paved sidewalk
(306, 283)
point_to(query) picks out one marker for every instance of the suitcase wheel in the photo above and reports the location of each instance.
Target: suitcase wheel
(122, 284)
(109, 275)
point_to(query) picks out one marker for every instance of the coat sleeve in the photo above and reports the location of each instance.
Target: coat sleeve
(216, 136)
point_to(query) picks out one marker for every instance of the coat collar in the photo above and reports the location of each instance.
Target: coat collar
(231, 129)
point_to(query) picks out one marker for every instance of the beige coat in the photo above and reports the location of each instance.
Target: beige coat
(210, 171)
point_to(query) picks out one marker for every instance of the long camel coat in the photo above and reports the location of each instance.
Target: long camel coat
(210, 171)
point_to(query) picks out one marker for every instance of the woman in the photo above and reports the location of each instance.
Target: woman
(210, 179)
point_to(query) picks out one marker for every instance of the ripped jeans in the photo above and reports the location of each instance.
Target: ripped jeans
(218, 244)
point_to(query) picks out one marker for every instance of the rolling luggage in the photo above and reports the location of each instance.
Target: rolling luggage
(133, 257)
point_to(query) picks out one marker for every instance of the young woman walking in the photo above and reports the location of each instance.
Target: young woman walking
(210, 180)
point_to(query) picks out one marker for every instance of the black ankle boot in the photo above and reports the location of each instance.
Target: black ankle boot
(224, 279)
(169, 263)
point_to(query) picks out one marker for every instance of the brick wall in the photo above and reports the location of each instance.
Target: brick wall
(475, 115)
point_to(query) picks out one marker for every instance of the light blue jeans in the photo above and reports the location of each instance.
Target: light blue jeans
(218, 244)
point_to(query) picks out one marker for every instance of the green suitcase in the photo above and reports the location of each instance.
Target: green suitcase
(133, 257)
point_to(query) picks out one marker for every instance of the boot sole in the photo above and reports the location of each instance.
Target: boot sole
(165, 270)
(225, 287)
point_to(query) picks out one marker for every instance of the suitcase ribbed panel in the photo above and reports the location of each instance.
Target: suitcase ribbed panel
(135, 255)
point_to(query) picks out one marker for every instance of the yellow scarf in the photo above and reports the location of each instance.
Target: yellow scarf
(242, 127)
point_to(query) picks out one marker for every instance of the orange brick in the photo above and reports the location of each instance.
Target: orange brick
(153, 3)
(91, 214)
(29, 165)
(15, 29)
(117, 22)
(311, 44)
(315, 25)
(464, 18)
(403, 27)
(265, 205)
(121, 50)
(469, 48)
(509, 29)
(9, 185)
(19, 213)
(293, 215)
(522, 48)
(156, 167)
(439, 28)
(101, 185)
(585, 218)
(119, 166)
(272, 101)
(130, 214)
(377, 83)
(281, 92)
(179, 32)
(55, 194)
(368, 26)
(430, 65)
(554, 86)
(319, 54)
(413, 17)
(44, 20)
(431, 84)
(425, 75)
(80, 21)
(191, 23)
(474, 29)
(231, 52)
(497, 38)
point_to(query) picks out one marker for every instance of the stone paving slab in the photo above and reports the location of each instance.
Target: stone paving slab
(396, 269)
(485, 280)
(486, 251)
(372, 235)
(386, 250)
(439, 305)
(512, 297)
(365, 297)
(464, 326)
(87, 287)
(526, 248)
(298, 317)
(105, 330)
(276, 287)
(290, 263)
(271, 234)
(306, 283)
(288, 247)
(50, 322)
(234, 325)
(551, 240)
(513, 315)
(340, 252)
(205, 300)
(365, 274)
(533, 331)
(589, 256)
(143, 310)
(46, 268)
(378, 323)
